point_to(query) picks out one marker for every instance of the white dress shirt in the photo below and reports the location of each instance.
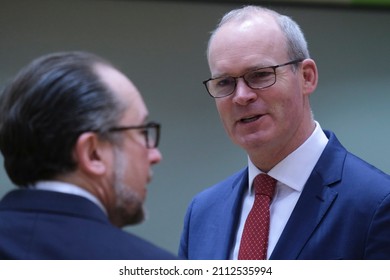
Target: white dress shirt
(57, 186)
(291, 175)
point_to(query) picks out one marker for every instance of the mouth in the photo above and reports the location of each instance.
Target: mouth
(250, 119)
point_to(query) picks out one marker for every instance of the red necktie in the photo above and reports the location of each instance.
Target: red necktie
(254, 240)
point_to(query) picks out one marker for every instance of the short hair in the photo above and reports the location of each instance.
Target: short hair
(43, 111)
(295, 39)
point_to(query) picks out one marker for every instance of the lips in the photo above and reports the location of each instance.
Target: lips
(250, 119)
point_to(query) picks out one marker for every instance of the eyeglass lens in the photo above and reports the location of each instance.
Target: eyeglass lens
(152, 136)
(256, 79)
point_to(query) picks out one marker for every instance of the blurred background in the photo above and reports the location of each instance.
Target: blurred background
(161, 46)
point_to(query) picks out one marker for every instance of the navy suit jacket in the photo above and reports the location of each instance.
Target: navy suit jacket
(342, 213)
(37, 224)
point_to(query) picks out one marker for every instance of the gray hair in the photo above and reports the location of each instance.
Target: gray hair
(295, 39)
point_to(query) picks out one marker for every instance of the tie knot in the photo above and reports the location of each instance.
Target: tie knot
(264, 185)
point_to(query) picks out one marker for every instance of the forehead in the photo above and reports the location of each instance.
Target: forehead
(125, 91)
(245, 44)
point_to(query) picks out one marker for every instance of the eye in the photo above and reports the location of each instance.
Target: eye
(223, 82)
(144, 131)
(260, 75)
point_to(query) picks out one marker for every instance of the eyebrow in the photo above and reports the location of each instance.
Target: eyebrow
(248, 69)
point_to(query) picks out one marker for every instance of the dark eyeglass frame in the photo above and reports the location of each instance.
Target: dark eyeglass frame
(274, 67)
(146, 127)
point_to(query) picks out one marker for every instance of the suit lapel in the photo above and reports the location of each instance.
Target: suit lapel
(316, 199)
(226, 225)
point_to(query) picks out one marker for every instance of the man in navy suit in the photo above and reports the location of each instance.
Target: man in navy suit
(76, 140)
(328, 204)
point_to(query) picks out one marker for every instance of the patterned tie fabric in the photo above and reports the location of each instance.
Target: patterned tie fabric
(254, 240)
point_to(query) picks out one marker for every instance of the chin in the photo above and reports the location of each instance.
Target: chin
(129, 207)
(137, 217)
(126, 216)
(258, 137)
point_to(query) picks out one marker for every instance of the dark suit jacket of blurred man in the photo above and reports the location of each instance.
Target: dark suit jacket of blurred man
(37, 224)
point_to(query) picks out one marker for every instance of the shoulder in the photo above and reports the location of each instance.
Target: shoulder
(83, 226)
(125, 245)
(365, 177)
(352, 172)
(97, 240)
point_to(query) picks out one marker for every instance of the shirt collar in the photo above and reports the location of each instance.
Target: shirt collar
(68, 188)
(295, 169)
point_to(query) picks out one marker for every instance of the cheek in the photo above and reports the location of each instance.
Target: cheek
(134, 178)
(139, 163)
(132, 158)
(288, 110)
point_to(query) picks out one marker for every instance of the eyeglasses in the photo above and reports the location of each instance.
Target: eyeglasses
(255, 79)
(150, 130)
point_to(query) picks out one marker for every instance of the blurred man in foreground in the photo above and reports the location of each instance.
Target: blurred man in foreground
(76, 140)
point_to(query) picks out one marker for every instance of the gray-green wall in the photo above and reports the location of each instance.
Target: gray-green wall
(161, 47)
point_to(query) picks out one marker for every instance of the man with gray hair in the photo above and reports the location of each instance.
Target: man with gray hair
(302, 195)
(76, 140)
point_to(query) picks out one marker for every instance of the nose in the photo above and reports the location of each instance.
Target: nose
(243, 94)
(154, 156)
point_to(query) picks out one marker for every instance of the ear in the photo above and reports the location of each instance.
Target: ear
(310, 76)
(90, 154)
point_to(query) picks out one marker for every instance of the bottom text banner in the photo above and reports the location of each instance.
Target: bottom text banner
(183, 269)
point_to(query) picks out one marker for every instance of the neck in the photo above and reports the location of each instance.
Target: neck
(265, 157)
